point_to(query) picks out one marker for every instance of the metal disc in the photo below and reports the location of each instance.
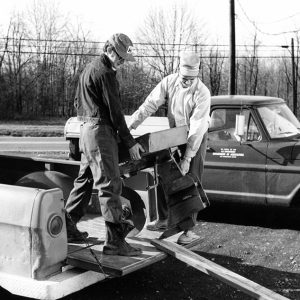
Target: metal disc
(137, 206)
(48, 180)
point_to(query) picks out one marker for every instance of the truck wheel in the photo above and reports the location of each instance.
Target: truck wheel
(48, 180)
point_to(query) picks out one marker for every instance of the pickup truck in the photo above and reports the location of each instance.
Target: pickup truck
(252, 157)
(36, 260)
(253, 150)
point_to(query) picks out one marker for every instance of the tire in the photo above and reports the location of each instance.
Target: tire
(48, 180)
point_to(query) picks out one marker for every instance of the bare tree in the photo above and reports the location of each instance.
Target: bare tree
(12, 66)
(166, 33)
(5, 47)
(40, 62)
(46, 26)
(215, 69)
(136, 82)
(249, 67)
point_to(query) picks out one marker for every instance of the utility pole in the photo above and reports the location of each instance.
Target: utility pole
(294, 75)
(231, 83)
(294, 79)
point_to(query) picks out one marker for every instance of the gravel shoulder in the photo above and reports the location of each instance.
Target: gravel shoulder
(260, 244)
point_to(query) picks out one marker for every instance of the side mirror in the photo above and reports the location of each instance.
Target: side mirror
(240, 125)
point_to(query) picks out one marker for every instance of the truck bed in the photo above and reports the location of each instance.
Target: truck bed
(79, 255)
(82, 269)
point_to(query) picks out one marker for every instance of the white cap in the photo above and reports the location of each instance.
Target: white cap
(189, 63)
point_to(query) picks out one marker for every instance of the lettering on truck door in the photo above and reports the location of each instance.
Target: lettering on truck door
(235, 168)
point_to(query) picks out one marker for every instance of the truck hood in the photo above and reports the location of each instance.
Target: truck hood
(286, 150)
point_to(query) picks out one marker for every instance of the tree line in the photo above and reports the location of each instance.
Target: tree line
(41, 58)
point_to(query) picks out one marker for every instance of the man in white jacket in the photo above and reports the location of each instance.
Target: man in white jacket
(188, 101)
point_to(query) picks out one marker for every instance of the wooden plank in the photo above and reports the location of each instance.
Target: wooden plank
(151, 124)
(167, 138)
(79, 255)
(154, 142)
(164, 139)
(210, 268)
(113, 265)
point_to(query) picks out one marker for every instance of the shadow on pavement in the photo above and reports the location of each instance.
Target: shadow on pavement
(268, 217)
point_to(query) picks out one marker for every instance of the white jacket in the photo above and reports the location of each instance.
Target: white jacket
(186, 106)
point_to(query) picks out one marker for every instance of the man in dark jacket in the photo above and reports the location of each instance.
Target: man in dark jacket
(98, 106)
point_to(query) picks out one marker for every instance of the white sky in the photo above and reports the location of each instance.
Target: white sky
(105, 17)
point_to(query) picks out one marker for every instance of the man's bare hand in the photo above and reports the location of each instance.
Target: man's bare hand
(185, 165)
(134, 151)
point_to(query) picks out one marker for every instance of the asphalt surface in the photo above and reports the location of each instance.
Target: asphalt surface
(29, 144)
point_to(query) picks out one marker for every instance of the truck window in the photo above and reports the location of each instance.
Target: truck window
(279, 120)
(253, 133)
(222, 125)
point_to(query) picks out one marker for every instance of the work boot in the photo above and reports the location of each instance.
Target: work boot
(127, 227)
(187, 237)
(122, 249)
(115, 241)
(158, 225)
(74, 235)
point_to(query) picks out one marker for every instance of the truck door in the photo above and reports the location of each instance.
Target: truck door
(234, 169)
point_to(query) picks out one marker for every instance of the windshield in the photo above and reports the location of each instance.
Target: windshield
(279, 120)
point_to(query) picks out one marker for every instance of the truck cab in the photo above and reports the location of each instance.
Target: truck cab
(252, 152)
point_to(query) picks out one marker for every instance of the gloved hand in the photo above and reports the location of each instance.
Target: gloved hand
(134, 151)
(185, 165)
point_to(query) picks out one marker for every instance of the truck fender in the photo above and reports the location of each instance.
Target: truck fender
(48, 180)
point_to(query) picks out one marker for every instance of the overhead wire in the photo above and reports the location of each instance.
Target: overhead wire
(137, 56)
(259, 30)
(137, 44)
(280, 20)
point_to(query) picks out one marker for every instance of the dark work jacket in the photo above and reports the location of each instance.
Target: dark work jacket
(98, 98)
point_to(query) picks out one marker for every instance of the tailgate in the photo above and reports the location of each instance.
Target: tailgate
(79, 255)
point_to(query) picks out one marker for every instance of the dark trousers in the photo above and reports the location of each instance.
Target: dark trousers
(196, 168)
(99, 168)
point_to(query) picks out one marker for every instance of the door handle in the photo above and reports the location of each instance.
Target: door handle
(209, 149)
